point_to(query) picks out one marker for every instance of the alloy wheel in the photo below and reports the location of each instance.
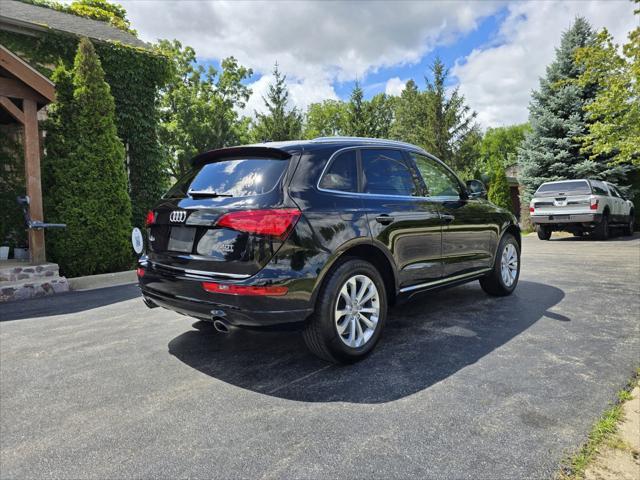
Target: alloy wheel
(509, 264)
(357, 311)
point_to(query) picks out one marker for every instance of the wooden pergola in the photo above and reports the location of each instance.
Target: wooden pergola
(24, 91)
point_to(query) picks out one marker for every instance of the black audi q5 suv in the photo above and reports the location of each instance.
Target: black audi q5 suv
(326, 233)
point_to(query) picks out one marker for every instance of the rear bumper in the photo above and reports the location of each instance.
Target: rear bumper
(186, 296)
(566, 219)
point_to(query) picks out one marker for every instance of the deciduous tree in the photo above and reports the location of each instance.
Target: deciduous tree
(198, 107)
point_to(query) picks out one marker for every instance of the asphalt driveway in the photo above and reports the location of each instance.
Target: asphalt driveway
(95, 385)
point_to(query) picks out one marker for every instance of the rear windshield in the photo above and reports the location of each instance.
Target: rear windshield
(565, 188)
(235, 178)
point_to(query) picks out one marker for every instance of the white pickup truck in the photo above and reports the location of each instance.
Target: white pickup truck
(580, 206)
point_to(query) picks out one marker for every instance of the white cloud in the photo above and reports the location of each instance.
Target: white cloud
(497, 80)
(395, 86)
(315, 42)
(301, 93)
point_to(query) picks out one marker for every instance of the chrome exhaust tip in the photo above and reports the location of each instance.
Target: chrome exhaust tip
(221, 326)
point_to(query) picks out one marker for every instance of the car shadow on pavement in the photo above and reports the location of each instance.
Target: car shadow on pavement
(66, 303)
(425, 341)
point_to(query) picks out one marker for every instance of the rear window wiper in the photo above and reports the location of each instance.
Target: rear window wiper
(207, 194)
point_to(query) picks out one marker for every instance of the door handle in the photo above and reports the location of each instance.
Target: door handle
(384, 219)
(447, 218)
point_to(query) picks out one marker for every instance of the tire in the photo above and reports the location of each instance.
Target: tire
(602, 231)
(508, 255)
(544, 233)
(628, 228)
(322, 331)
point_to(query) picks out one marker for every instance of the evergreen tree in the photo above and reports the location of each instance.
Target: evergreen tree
(410, 115)
(552, 150)
(379, 113)
(278, 123)
(441, 123)
(499, 192)
(368, 118)
(357, 114)
(85, 173)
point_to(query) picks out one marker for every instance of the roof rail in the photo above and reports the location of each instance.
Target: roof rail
(380, 141)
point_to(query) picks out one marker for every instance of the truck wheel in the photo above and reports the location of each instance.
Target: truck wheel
(601, 232)
(350, 313)
(544, 233)
(503, 278)
(628, 228)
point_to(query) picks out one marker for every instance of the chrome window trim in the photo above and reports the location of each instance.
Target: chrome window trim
(374, 195)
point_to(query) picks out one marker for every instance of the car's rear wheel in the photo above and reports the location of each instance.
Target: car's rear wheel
(601, 232)
(544, 233)
(628, 229)
(503, 278)
(350, 313)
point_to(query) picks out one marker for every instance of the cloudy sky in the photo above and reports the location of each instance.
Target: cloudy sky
(496, 50)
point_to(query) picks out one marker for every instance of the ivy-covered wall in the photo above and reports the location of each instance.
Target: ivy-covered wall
(134, 75)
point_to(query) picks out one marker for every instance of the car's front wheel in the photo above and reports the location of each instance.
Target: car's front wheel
(350, 313)
(503, 278)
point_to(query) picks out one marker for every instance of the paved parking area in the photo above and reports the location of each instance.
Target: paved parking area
(95, 385)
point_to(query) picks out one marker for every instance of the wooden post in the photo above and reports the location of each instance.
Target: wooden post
(32, 177)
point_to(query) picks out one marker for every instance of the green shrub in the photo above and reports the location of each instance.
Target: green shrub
(499, 192)
(85, 177)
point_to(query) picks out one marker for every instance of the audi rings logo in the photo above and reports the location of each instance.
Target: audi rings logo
(178, 216)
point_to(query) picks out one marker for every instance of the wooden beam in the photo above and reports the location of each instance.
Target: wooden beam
(29, 75)
(12, 88)
(12, 109)
(32, 176)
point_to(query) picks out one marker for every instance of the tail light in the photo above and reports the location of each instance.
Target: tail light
(594, 204)
(269, 290)
(140, 272)
(274, 222)
(532, 208)
(150, 218)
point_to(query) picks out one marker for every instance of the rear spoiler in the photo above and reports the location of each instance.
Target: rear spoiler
(231, 152)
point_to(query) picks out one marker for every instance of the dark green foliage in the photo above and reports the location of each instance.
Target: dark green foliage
(12, 184)
(198, 106)
(499, 192)
(368, 118)
(134, 76)
(553, 148)
(279, 123)
(86, 178)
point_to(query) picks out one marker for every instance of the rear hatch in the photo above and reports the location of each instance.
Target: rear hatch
(226, 218)
(563, 198)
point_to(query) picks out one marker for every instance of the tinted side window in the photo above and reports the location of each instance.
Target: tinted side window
(342, 174)
(599, 189)
(614, 192)
(385, 172)
(439, 181)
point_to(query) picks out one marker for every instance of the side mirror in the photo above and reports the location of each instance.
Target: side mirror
(476, 189)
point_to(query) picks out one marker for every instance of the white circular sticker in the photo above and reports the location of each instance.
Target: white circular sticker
(136, 240)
